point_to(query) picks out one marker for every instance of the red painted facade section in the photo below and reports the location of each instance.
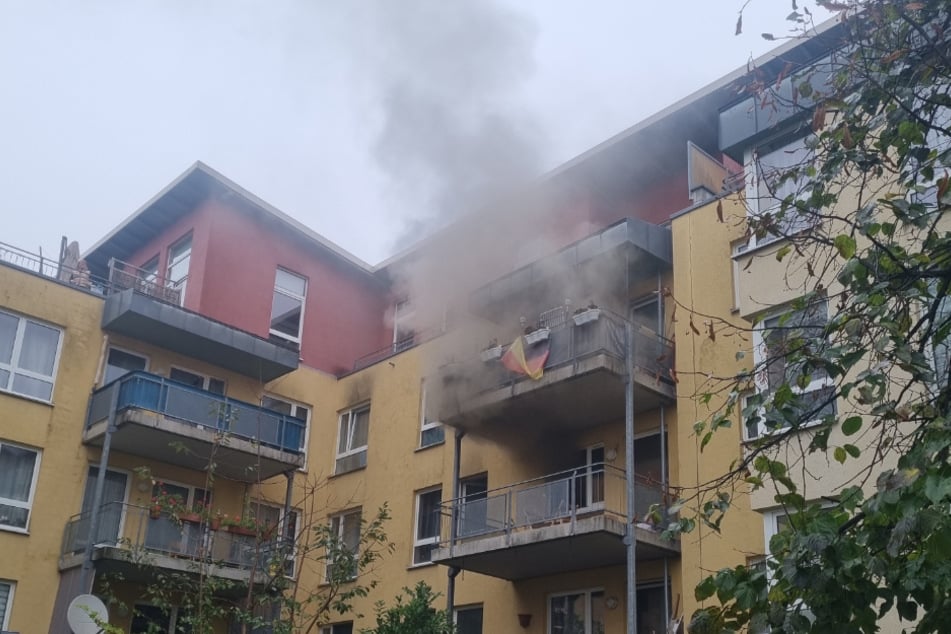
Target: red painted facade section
(235, 256)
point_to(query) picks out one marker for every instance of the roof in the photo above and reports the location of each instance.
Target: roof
(179, 198)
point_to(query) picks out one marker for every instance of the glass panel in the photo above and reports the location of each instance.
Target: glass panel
(276, 405)
(4, 379)
(16, 472)
(291, 283)
(286, 314)
(428, 521)
(28, 386)
(8, 332)
(164, 533)
(4, 600)
(361, 424)
(469, 621)
(650, 610)
(113, 495)
(597, 616)
(216, 386)
(186, 377)
(351, 531)
(14, 516)
(121, 363)
(148, 619)
(344, 442)
(179, 257)
(567, 614)
(38, 352)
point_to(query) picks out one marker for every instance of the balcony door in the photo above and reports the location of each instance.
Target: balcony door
(110, 509)
(168, 534)
(473, 512)
(644, 312)
(589, 478)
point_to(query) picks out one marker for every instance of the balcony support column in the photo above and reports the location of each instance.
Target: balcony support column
(85, 580)
(453, 518)
(630, 541)
(288, 498)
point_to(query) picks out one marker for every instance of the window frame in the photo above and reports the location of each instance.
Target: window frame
(174, 613)
(588, 594)
(341, 530)
(181, 283)
(332, 628)
(432, 540)
(8, 609)
(761, 376)
(134, 353)
(425, 424)
(288, 293)
(472, 607)
(14, 369)
(407, 314)
(206, 379)
(28, 505)
(290, 557)
(294, 407)
(349, 414)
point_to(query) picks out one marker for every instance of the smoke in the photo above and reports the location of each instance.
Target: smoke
(452, 135)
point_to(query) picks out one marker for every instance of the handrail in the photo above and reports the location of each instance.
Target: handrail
(143, 390)
(52, 269)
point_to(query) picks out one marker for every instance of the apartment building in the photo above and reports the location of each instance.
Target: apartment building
(528, 423)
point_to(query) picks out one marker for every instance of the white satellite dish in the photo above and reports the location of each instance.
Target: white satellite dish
(83, 612)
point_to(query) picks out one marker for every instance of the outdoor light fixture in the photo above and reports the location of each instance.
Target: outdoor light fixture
(525, 620)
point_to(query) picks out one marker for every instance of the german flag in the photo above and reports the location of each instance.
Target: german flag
(531, 364)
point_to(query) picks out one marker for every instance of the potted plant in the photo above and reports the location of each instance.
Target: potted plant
(492, 351)
(240, 525)
(535, 334)
(165, 502)
(587, 314)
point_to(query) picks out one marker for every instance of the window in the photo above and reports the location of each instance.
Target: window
(294, 410)
(778, 345)
(196, 380)
(579, 612)
(165, 532)
(473, 514)
(338, 628)
(271, 518)
(352, 444)
(468, 620)
(287, 306)
(19, 468)
(345, 528)
(426, 534)
(151, 619)
(149, 271)
(779, 172)
(403, 334)
(179, 259)
(119, 363)
(29, 353)
(431, 430)
(6, 603)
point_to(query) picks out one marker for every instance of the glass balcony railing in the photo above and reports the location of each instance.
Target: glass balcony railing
(141, 390)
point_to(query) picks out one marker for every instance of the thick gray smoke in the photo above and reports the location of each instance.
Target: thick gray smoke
(451, 135)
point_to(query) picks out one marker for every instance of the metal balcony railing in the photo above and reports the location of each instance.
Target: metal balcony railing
(142, 390)
(123, 275)
(566, 496)
(141, 532)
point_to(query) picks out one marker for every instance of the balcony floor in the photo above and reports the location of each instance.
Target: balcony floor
(151, 435)
(554, 547)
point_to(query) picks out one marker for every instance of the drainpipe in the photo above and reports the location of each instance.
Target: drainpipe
(630, 540)
(287, 503)
(85, 582)
(663, 446)
(454, 570)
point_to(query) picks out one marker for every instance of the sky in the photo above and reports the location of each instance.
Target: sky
(367, 120)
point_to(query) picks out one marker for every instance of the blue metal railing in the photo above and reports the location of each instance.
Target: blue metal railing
(142, 390)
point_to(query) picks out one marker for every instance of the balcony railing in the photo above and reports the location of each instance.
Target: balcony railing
(141, 390)
(140, 533)
(566, 496)
(123, 275)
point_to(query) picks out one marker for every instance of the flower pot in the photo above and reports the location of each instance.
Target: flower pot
(587, 316)
(155, 512)
(537, 336)
(241, 530)
(194, 518)
(490, 354)
(214, 523)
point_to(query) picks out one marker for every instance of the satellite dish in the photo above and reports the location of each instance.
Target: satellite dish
(82, 613)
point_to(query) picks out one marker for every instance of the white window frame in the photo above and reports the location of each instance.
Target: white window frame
(424, 541)
(340, 532)
(181, 283)
(467, 608)
(134, 353)
(303, 306)
(347, 417)
(5, 617)
(206, 379)
(756, 203)
(28, 505)
(282, 520)
(295, 405)
(424, 424)
(14, 369)
(587, 592)
(761, 376)
(407, 314)
(332, 629)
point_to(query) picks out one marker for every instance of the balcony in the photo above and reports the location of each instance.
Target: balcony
(563, 522)
(178, 424)
(582, 385)
(133, 541)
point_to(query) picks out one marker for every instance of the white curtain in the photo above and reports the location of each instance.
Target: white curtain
(16, 472)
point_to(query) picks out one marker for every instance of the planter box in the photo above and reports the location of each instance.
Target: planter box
(194, 518)
(536, 336)
(586, 317)
(240, 530)
(490, 354)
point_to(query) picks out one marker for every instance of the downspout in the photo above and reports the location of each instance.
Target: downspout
(454, 570)
(288, 495)
(85, 582)
(663, 450)
(630, 540)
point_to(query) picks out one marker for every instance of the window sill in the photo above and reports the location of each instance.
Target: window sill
(32, 399)
(14, 530)
(348, 471)
(429, 446)
(425, 564)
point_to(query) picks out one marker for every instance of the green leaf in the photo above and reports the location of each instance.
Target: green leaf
(839, 455)
(852, 450)
(851, 425)
(705, 589)
(845, 245)
(783, 252)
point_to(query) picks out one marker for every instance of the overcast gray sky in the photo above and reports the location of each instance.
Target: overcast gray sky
(358, 118)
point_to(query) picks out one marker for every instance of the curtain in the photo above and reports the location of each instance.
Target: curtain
(38, 351)
(4, 600)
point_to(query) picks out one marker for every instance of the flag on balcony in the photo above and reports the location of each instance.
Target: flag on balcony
(531, 363)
